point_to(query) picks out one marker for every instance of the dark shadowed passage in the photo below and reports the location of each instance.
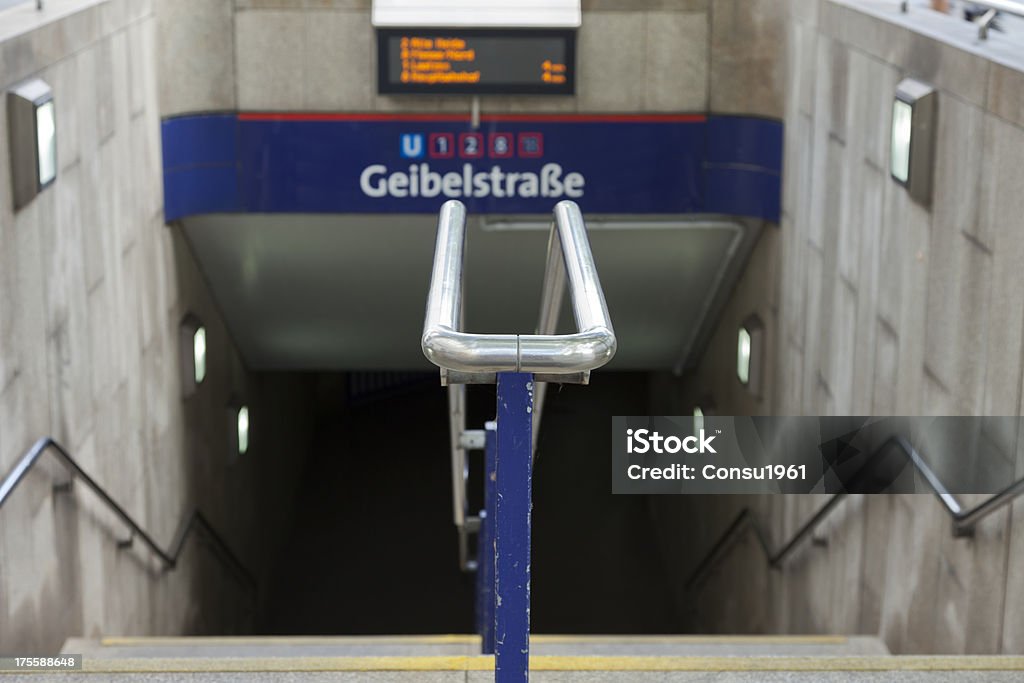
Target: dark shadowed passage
(373, 549)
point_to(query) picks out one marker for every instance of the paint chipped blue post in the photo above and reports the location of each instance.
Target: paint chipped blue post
(485, 547)
(513, 468)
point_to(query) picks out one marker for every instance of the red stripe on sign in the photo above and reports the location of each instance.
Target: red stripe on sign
(302, 116)
(511, 118)
(598, 118)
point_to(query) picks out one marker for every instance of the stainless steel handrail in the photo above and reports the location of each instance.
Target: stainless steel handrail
(964, 520)
(465, 523)
(468, 358)
(994, 7)
(456, 428)
(4, 4)
(447, 346)
(552, 294)
(1008, 6)
(984, 22)
(194, 519)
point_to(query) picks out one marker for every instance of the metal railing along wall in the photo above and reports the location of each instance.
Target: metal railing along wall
(994, 8)
(194, 520)
(4, 4)
(1009, 6)
(964, 519)
(519, 364)
(985, 21)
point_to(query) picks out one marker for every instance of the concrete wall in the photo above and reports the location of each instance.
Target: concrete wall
(652, 55)
(872, 303)
(92, 289)
(879, 305)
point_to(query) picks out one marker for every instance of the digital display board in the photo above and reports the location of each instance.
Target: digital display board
(476, 61)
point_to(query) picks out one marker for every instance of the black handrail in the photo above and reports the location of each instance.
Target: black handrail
(963, 520)
(194, 519)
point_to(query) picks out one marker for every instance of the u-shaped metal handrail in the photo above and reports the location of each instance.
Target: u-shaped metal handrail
(446, 345)
(466, 358)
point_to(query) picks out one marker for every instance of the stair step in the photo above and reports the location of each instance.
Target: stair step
(468, 645)
(706, 646)
(553, 669)
(275, 646)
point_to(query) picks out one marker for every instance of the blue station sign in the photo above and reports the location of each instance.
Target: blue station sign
(511, 164)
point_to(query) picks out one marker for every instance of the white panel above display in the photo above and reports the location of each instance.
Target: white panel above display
(473, 13)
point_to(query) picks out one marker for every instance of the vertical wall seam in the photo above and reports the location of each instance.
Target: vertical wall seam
(1020, 374)
(234, 52)
(708, 50)
(1001, 626)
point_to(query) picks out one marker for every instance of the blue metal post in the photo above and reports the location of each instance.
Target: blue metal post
(485, 550)
(513, 469)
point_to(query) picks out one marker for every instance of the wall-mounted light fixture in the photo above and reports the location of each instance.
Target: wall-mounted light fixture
(199, 353)
(239, 430)
(192, 341)
(242, 425)
(749, 353)
(32, 130)
(913, 138)
(704, 408)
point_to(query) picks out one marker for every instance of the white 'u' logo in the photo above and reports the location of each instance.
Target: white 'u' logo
(412, 145)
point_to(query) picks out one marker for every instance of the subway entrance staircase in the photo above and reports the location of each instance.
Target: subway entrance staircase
(503, 649)
(555, 659)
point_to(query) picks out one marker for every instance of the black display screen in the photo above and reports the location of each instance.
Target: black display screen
(476, 61)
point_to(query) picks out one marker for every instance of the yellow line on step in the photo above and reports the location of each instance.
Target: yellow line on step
(161, 641)
(552, 663)
(692, 640)
(466, 639)
(740, 663)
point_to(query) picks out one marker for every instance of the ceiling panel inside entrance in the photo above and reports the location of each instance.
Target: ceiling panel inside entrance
(317, 292)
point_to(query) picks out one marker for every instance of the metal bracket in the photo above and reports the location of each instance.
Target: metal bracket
(985, 22)
(470, 526)
(960, 531)
(473, 440)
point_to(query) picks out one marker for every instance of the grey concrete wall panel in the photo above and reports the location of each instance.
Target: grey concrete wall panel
(935, 292)
(321, 55)
(197, 55)
(92, 288)
(747, 57)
